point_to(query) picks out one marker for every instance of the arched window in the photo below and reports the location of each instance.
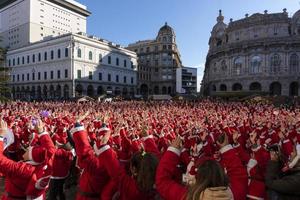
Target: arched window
(255, 65)
(90, 55)
(237, 66)
(79, 53)
(66, 52)
(223, 65)
(294, 63)
(275, 63)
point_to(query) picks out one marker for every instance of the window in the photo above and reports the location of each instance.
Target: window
(117, 78)
(39, 75)
(58, 74)
(28, 59)
(125, 79)
(9, 62)
(33, 76)
(13, 78)
(45, 56)
(18, 61)
(109, 60)
(131, 80)
(108, 77)
(294, 63)
(131, 63)
(100, 58)
(275, 63)
(23, 60)
(23, 77)
(52, 55)
(100, 76)
(255, 65)
(223, 65)
(164, 47)
(79, 73)
(14, 62)
(169, 46)
(39, 57)
(90, 55)
(117, 61)
(66, 73)
(58, 53)
(33, 58)
(156, 48)
(125, 63)
(79, 53)
(155, 69)
(18, 77)
(91, 75)
(27, 76)
(66, 52)
(237, 66)
(45, 75)
(51, 75)
(148, 49)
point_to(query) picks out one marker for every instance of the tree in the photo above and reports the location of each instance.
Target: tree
(4, 76)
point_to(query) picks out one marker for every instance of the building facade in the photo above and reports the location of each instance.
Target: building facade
(158, 61)
(27, 21)
(69, 66)
(186, 80)
(259, 53)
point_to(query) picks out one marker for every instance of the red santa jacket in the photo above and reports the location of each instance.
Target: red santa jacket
(61, 164)
(95, 179)
(168, 188)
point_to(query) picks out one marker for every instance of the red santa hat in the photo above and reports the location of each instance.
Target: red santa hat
(37, 155)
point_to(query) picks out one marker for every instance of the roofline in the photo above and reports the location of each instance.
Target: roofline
(61, 3)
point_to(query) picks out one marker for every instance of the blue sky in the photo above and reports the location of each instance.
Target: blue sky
(127, 21)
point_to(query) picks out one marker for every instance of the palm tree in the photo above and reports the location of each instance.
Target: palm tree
(4, 76)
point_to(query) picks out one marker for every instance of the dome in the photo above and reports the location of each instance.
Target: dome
(166, 29)
(220, 27)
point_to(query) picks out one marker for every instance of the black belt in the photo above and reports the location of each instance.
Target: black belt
(15, 197)
(89, 194)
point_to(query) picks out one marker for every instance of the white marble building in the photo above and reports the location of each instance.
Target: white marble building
(71, 65)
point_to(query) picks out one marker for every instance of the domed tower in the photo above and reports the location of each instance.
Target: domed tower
(166, 34)
(296, 23)
(218, 32)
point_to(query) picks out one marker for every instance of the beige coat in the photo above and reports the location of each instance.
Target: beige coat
(217, 193)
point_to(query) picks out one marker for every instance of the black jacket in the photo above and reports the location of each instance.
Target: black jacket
(287, 186)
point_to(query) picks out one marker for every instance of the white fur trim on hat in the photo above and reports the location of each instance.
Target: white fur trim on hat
(174, 150)
(104, 129)
(226, 148)
(76, 129)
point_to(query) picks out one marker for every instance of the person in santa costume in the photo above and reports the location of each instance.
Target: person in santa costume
(211, 182)
(27, 180)
(95, 181)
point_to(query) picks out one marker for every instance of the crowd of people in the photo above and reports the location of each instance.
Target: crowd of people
(134, 150)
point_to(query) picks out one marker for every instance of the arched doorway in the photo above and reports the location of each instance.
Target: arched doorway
(169, 90)
(79, 90)
(45, 92)
(131, 92)
(255, 86)
(99, 90)
(144, 89)
(156, 90)
(58, 91)
(237, 87)
(294, 88)
(90, 91)
(117, 91)
(39, 92)
(32, 95)
(125, 91)
(275, 88)
(223, 87)
(66, 92)
(164, 90)
(52, 92)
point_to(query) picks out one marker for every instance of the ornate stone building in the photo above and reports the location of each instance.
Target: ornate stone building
(259, 53)
(157, 64)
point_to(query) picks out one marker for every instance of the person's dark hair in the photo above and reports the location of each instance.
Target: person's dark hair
(209, 174)
(145, 165)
